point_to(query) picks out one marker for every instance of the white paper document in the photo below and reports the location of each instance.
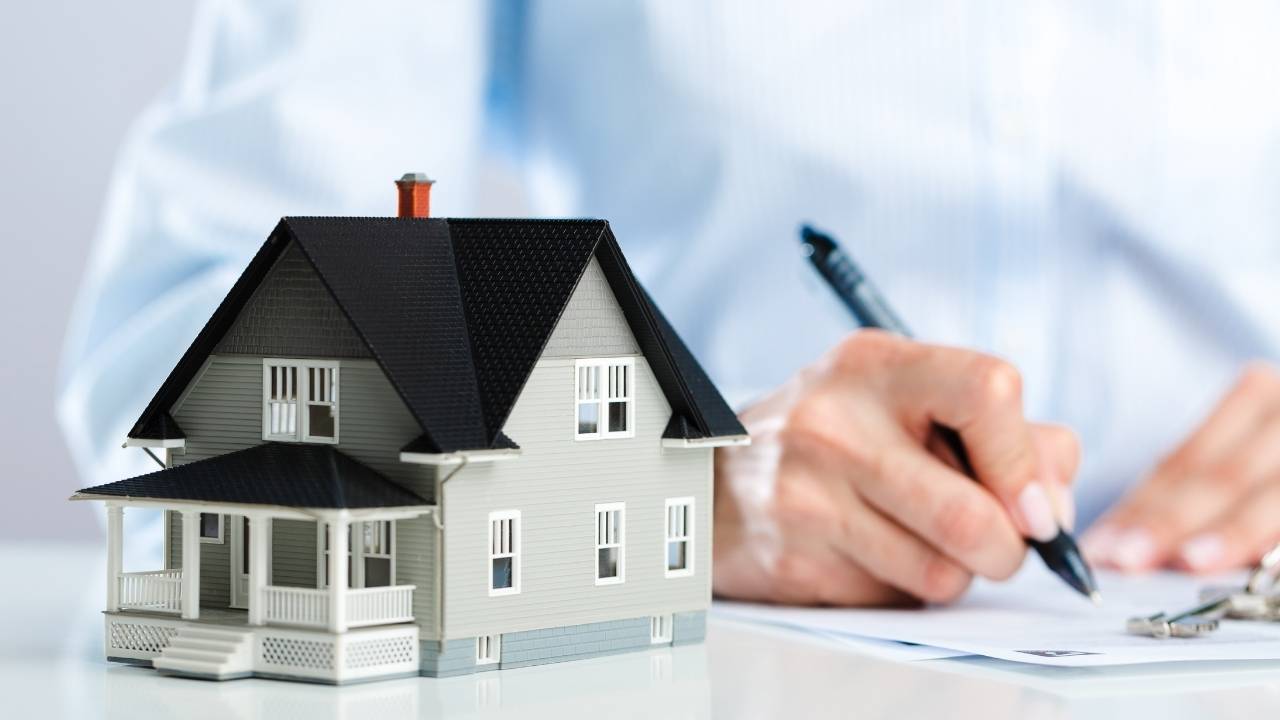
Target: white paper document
(1034, 618)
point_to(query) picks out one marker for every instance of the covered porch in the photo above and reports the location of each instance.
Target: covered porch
(335, 605)
(346, 620)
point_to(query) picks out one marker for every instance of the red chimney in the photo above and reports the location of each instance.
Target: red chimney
(415, 195)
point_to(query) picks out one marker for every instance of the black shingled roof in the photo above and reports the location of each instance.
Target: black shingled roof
(457, 312)
(284, 474)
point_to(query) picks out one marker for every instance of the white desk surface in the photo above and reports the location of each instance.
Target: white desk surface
(51, 666)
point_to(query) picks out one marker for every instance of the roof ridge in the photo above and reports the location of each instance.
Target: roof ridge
(324, 281)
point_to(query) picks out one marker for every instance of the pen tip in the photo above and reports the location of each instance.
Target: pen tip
(1096, 597)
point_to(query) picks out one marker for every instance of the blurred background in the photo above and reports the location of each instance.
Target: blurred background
(1087, 189)
(75, 77)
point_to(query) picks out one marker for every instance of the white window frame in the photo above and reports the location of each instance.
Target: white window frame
(660, 629)
(603, 531)
(495, 552)
(488, 649)
(300, 398)
(389, 554)
(222, 530)
(671, 535)
(602, 392)
(355, 552)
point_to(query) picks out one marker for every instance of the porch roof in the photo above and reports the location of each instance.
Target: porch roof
(277, 474)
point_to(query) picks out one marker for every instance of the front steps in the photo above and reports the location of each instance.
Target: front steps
(208, 652)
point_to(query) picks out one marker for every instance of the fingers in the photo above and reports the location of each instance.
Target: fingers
(1228, 458)
(1250, 400)
(820, 501)
(803, 570)
(946, 509)
(981, 398)
(898, 558)
(822, 576)
(1238, 537)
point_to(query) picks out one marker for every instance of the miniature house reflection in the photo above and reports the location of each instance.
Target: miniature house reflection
(663, 682)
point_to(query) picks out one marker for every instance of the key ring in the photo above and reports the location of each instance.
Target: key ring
(1266, 572)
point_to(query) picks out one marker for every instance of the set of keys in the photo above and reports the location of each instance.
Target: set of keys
(1259, 599)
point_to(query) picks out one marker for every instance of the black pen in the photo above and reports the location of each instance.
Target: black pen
(867, 305)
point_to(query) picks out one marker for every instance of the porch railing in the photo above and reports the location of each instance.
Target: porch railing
(155, 590)
(380, 605)
(307, 607)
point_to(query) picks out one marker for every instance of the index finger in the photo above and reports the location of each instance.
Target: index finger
(980, 397)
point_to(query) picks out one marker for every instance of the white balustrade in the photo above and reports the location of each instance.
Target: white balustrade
(307, 607)
(155, 590)
(379, 605)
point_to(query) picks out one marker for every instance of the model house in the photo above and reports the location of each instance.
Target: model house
(409, 445)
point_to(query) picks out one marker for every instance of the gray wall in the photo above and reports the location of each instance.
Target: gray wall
(592, 324)
(222, 412)
(557, 482)
(215, 561)
(293, 557)
(291, 314)
(293, 553)
(416, 547)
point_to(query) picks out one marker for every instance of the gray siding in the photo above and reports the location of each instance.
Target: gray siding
(558, 644)
(293, 553)
(592, 324)
(222, 412)
(688, 628)
(291, 314)
(458, 657)
(556, 484)
(416, 547)
(215, 562)
(537, 647)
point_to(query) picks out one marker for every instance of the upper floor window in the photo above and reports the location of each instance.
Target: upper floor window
(300, 400)
(605, 398)
(504, 552)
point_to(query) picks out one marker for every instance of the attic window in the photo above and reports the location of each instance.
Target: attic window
(300, 400)
(605, 398)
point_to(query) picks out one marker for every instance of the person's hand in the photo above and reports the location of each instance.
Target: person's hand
(844, 498)
(1214, 502)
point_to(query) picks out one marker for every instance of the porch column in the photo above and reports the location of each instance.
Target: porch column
(338, 573)
(259, 546)
(115, 555)
(190, 564)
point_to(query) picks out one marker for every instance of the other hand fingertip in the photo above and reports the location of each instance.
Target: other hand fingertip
(1134, 550)
(1203, 552)
(1098, 543)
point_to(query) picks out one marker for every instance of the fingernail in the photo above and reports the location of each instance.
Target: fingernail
(1098, 543)
(1037, 512)
(1202, 551)
(1064, 506)
(1134, 550)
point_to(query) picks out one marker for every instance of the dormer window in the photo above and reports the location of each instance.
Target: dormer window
(300, 400)
(605, 398)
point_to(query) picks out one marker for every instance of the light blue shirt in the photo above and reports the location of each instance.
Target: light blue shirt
(1087, 189)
